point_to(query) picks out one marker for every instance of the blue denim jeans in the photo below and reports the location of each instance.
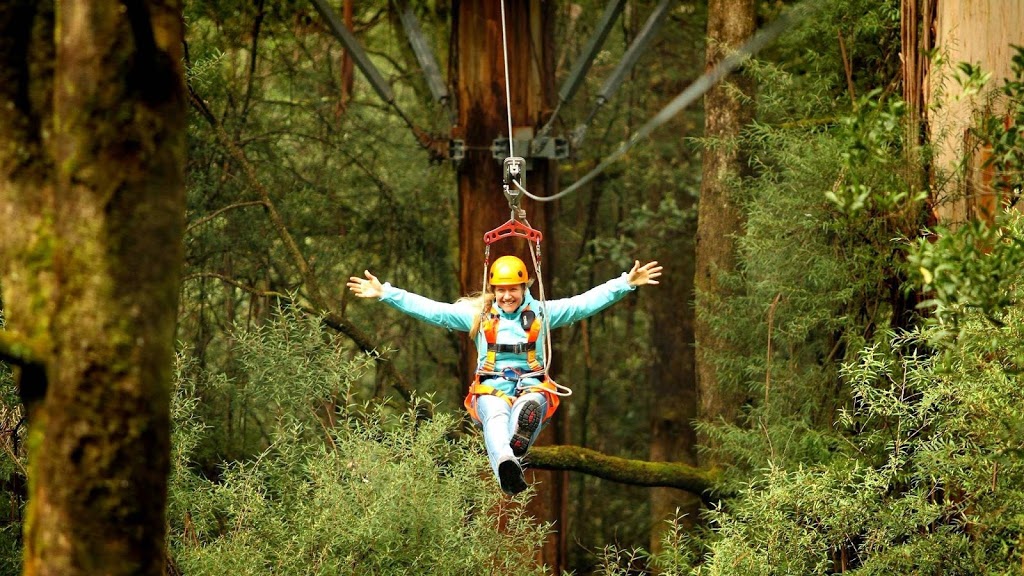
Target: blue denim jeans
(498, 420)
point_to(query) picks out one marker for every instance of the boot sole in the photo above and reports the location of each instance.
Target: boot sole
(526, 425)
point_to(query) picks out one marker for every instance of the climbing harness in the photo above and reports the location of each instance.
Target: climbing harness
(517, 226)
(549, 388)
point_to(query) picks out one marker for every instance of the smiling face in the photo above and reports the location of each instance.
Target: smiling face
(508, 298)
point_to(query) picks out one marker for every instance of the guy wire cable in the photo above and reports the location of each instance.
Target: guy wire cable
(694, 91)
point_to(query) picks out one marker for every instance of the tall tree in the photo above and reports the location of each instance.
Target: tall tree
(719, 218)
(478, 71)
(92, 197)
(673, 382)
(972, 31)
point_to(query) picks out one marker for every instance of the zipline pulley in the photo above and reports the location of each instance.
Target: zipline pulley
(513, 175)
(514, 169)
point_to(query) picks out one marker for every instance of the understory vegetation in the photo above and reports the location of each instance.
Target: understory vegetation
(880, 355)
(340, 488)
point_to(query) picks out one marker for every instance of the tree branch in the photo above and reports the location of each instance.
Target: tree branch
(220, 211)
(21, 351)
(231, 281)
(702, 483)
(332, 317)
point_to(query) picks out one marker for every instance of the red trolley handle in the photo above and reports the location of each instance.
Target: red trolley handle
(512, 228)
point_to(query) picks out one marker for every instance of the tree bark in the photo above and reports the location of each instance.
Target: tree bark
(478, 72)
(719, 219)
(92, 155)
(672, 377)
(696, 481)
(983, 32)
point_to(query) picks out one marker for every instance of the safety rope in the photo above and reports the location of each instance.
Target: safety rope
(559, 390)
(520, 214)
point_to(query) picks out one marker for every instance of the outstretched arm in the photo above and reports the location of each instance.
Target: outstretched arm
(641, 275)
(369, 287)
(450, 316)
(568, 310)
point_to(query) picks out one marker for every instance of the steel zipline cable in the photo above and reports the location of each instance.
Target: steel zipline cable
(508, 93)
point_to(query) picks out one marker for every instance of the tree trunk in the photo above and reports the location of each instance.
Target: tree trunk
(92, 155)
(479, 75)
(672, 379)
(719, 219)
(982, 32)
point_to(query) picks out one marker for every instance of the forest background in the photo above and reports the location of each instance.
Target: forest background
(855, 407)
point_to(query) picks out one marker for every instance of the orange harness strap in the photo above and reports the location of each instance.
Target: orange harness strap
(476, 388)
(546, 387)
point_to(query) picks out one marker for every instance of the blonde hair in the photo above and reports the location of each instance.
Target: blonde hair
(480, 303)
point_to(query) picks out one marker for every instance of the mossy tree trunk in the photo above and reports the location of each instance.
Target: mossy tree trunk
(719, 218)
(92, 151)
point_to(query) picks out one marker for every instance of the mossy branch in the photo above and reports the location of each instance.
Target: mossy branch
(702, 483)
(21, 351)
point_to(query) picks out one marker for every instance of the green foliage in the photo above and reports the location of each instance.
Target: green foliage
(929, 478)
(932, 483)
(820, 272)
(880, 446)
(973, 267)
(352, 185)
(1005, 135)
(339, 488)
(12, 472)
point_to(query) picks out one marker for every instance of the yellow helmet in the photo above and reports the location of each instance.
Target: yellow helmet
(508, 270)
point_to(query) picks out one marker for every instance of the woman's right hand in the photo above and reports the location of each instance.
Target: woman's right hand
(369, 287)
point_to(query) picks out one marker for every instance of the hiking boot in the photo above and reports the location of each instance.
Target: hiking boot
(510, 475)
(526, 425)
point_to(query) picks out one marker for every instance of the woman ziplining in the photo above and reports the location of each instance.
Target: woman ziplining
(512, 395)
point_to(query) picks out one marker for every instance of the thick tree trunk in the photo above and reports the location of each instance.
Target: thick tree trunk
(92, 193)
(982, 32)
(719, 219)
(478, 71)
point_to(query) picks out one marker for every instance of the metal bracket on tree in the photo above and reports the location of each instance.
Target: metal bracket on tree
(550, 147)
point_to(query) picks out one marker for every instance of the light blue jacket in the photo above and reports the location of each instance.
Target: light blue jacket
(460, 317)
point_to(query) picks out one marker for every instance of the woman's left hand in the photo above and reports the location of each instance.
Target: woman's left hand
(645, 274)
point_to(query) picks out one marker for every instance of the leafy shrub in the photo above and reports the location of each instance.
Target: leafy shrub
(12, 472)
(362, 490)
